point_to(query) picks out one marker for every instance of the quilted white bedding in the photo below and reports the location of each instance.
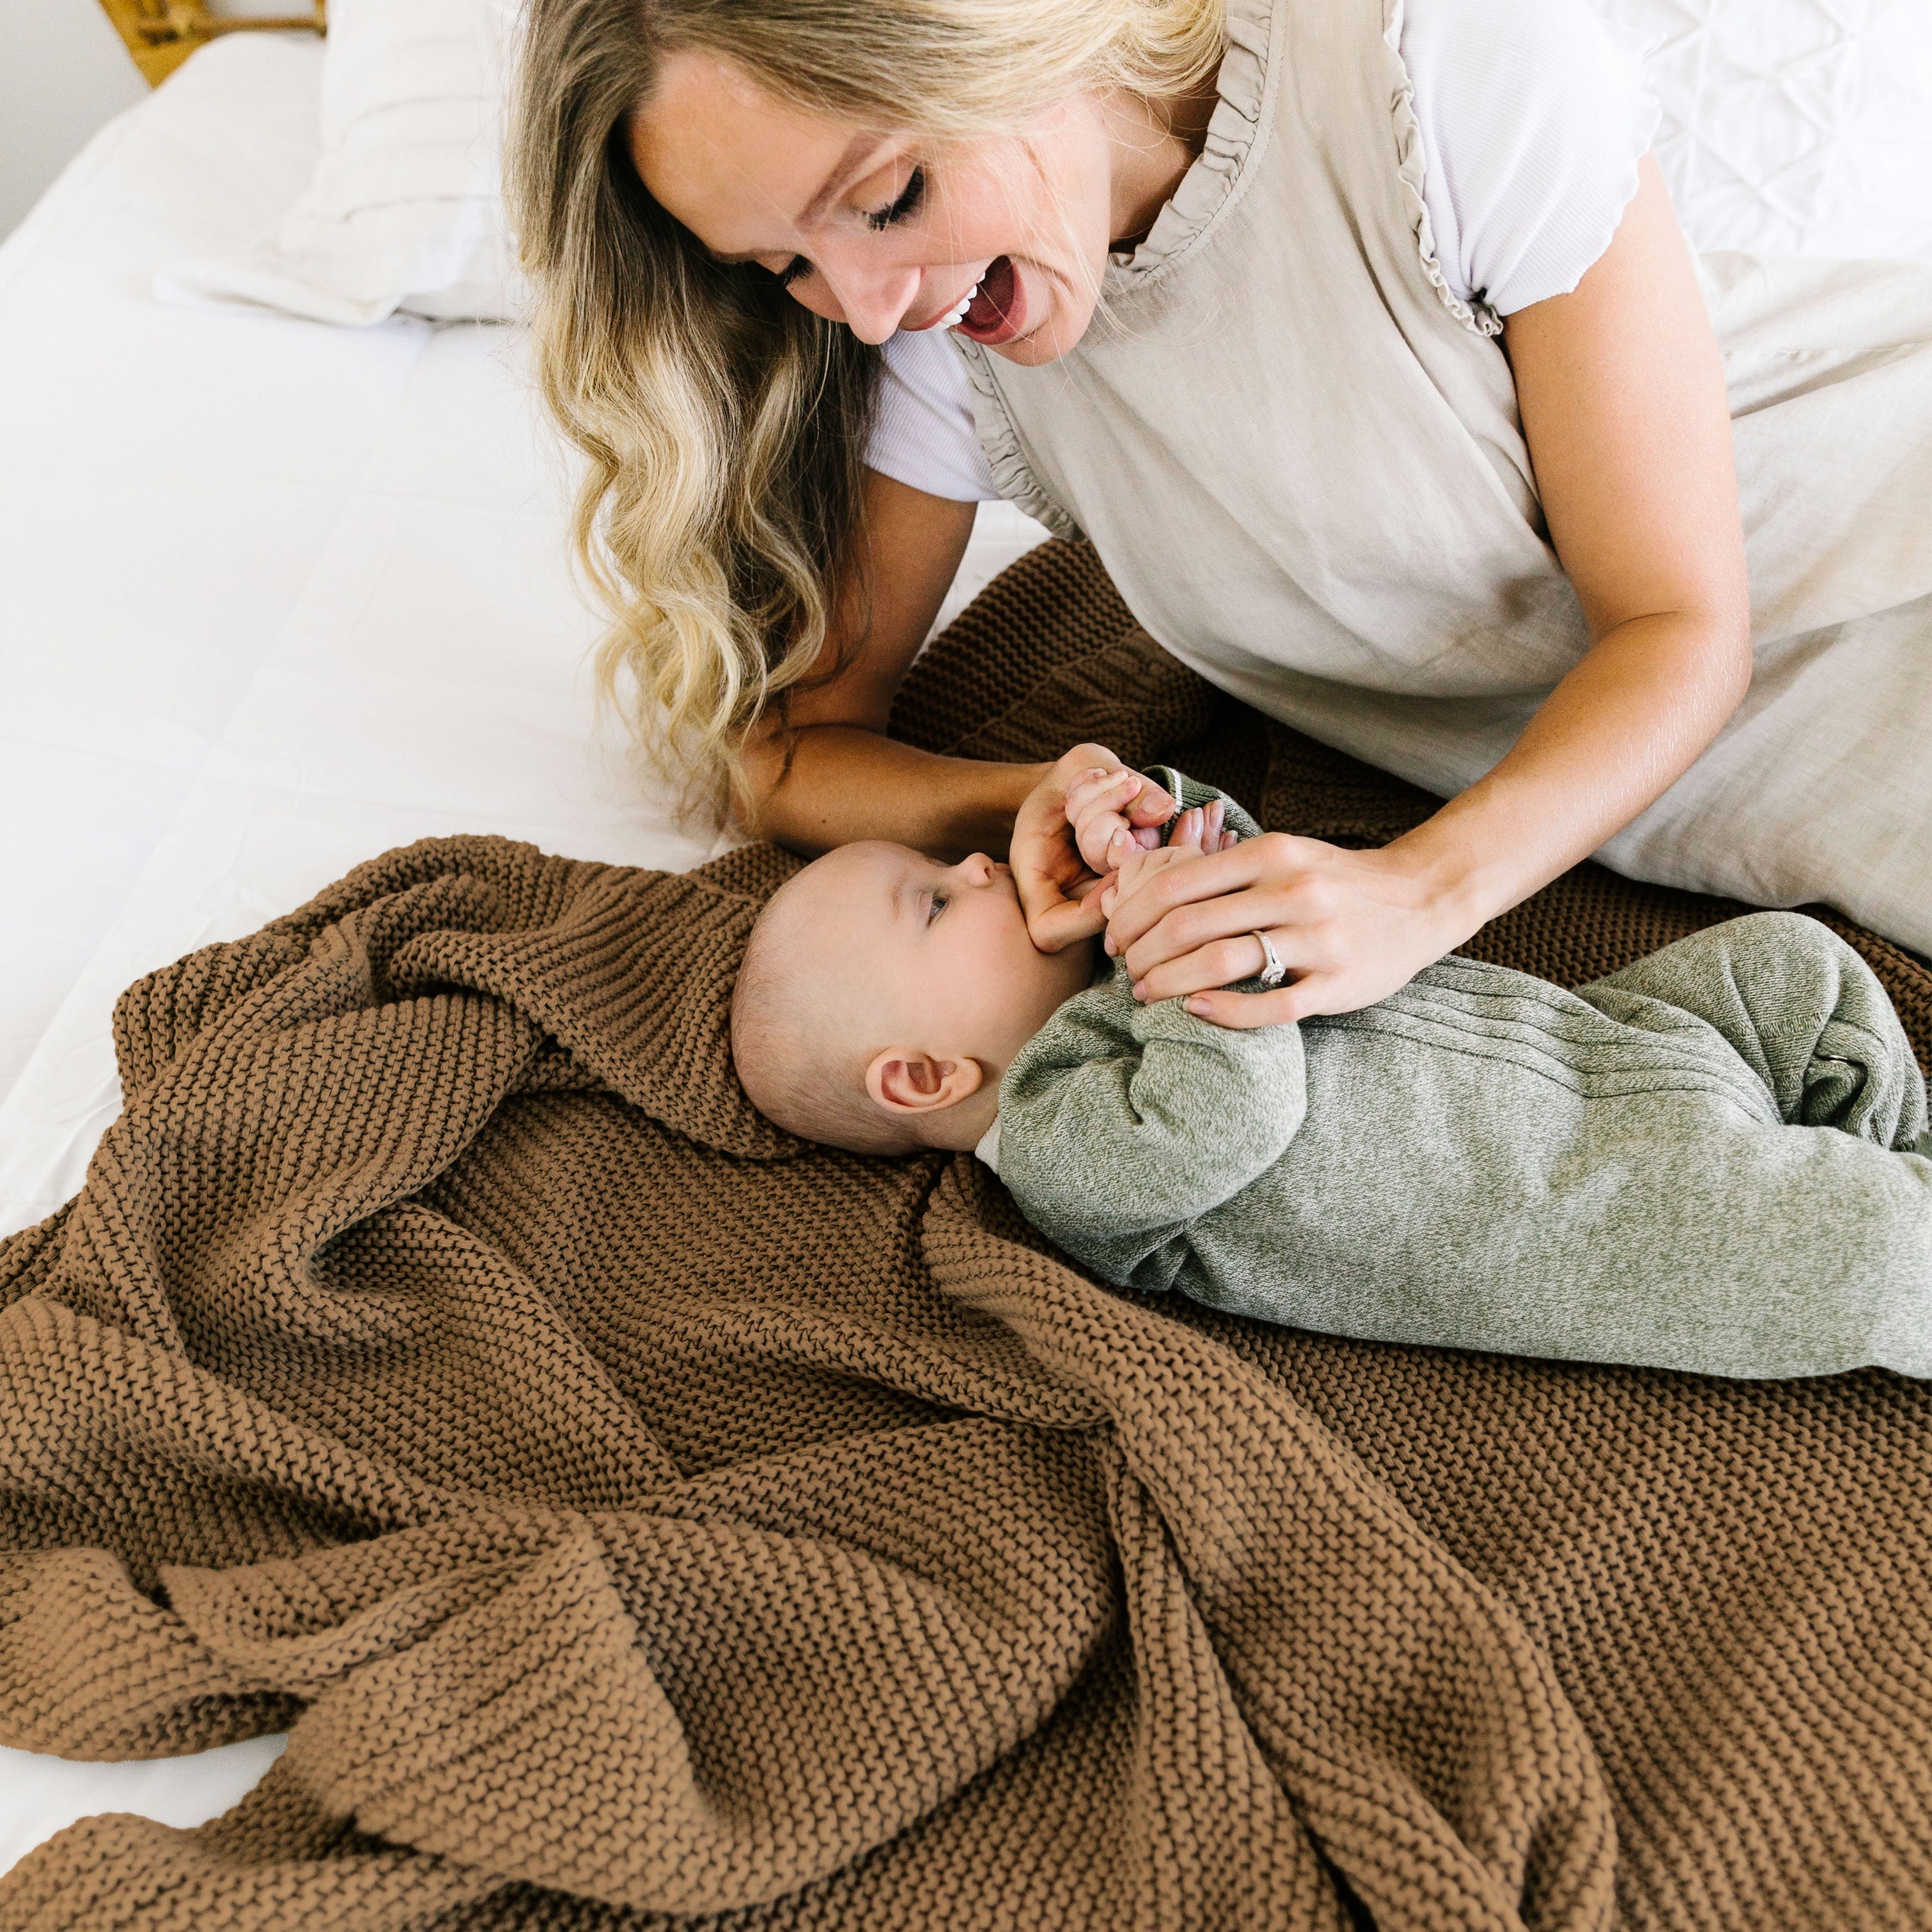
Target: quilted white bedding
(1792, 127)
(226, 533)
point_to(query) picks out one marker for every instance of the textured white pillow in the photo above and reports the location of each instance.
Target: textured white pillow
(1792, 126)
(405, 208)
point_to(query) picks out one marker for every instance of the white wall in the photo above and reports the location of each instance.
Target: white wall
(63, 73)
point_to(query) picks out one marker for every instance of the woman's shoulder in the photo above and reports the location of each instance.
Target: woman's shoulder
(1534, 119)
(923, 434)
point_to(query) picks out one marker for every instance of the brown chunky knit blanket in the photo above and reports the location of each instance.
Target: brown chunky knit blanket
(645, 1521)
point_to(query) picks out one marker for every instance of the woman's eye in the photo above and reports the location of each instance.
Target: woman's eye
(793, 271)
(909, 197)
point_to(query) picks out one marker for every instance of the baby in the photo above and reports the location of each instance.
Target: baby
(1701, 1162)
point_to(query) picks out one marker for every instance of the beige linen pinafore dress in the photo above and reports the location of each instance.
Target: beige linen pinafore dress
(1301, 460)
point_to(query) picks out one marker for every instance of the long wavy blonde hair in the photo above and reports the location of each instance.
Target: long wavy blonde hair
(725, 424)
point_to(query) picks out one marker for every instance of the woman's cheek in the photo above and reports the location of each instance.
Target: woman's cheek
(974, 222)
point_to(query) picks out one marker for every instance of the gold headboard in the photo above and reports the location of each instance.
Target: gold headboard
(161, 34)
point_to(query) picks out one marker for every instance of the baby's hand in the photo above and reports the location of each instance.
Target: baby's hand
(1097, 809)
(1197, 831)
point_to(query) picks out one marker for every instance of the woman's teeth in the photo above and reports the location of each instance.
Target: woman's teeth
(959, 315)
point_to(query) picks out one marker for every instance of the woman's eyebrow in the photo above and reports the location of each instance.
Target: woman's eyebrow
(843, 170)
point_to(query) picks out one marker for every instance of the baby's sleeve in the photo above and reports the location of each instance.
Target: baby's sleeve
(1121, 1124)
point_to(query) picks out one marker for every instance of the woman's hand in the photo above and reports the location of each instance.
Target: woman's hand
(1350, 928)
(1061, 835)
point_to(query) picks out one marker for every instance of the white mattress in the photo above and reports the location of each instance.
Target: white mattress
(274, 597)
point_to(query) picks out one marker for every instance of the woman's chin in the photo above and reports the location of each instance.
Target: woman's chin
(1052, 327)
(1038, 345)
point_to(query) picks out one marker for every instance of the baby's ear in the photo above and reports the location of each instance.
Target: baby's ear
(905, 1080)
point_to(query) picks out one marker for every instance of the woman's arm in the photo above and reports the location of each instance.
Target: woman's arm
(843, 778)
(1623, 407)
(1621, 391)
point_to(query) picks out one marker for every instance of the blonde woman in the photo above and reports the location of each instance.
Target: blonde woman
(1360, 337)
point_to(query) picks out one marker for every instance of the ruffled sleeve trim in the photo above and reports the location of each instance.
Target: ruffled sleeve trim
(1001, 443)
(1412, 171)
(1645, 116)
(1537, 212)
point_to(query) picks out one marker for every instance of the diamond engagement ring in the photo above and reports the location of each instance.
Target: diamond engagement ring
(1273, 971)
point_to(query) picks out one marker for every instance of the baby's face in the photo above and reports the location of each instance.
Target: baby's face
(938, 956)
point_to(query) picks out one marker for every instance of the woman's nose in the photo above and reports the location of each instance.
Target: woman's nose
(873, 301)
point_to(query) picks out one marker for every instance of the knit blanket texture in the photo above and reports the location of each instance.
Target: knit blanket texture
(640, 1520)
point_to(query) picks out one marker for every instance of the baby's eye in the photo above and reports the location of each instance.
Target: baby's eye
(939, 902)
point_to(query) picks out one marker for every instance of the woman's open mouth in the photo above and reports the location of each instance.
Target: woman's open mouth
(997, 311)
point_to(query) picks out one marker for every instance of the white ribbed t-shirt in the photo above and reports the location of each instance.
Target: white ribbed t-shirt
(1533, 121)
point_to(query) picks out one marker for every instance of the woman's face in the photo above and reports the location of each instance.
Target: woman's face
(882, 232)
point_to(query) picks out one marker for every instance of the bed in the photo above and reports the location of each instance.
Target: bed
(276, 595)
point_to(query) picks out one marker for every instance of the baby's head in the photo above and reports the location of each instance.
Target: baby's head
(884, 995)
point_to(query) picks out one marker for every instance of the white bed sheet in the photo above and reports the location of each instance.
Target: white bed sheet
(274, 597)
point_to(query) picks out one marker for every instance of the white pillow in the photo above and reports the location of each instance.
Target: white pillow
(1792, 126)
(405, 208)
